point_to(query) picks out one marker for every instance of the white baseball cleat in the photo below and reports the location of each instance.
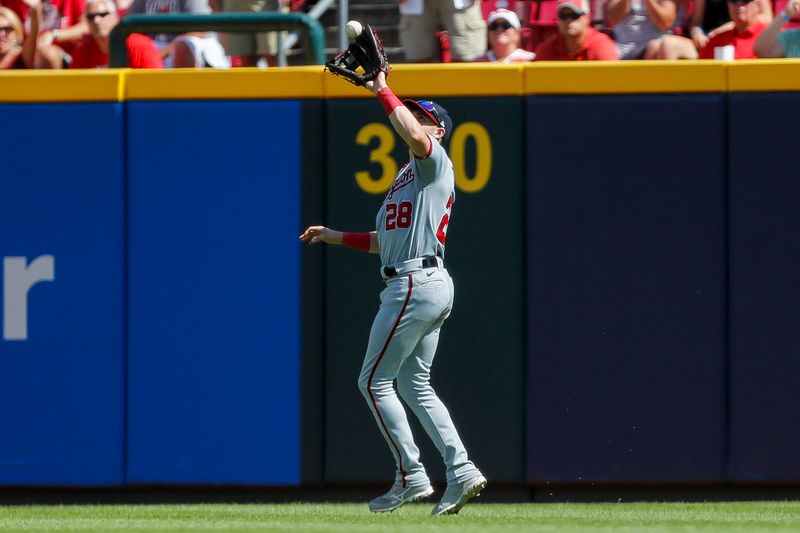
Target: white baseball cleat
(398, 496)
(459, 494)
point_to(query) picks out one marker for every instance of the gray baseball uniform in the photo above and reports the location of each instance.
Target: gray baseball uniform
(412, 229)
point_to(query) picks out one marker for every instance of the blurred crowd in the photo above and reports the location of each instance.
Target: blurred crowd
(55, 34)
(58, 34)
(585, 30)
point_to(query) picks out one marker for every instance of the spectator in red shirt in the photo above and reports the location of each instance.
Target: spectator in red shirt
(62, 26)
(16, 50)
(710, 17)
(92, 50)
(747, 28)
(576, 40)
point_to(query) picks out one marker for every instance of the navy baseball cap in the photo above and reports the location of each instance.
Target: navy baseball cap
(433, 111)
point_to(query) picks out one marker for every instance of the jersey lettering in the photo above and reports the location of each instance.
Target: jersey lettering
(405, 178)
(398, 215)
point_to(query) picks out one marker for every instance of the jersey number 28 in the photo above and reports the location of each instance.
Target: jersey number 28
(398, 215)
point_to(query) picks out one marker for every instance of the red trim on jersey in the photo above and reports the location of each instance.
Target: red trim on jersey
(358, 241)
(372, 374)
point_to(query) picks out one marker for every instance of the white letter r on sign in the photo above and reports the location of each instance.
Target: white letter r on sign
(18, 278)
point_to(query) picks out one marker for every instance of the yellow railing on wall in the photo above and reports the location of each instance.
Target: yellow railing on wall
(630, 77)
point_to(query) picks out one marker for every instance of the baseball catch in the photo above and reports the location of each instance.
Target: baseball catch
(363, 59)
(353, 29)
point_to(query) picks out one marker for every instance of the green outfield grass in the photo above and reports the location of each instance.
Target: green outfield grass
(355, 518)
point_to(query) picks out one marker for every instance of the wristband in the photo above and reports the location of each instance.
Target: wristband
(388, 100)
(357, 241)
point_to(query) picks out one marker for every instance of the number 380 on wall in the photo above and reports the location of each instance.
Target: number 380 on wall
(382, 155)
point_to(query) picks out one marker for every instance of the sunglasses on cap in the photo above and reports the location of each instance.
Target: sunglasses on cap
(568, 14)
(428, 106)
(101, 14)
(499, 24)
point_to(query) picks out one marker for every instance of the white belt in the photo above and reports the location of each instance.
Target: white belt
(412, 265)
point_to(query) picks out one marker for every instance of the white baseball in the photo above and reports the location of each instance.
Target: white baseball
(353, 29)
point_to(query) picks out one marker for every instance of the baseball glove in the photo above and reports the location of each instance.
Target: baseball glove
(365, 53)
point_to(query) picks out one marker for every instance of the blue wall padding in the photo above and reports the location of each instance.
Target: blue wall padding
(765, 287)
(62, 389)
(214, 292)
(626, 288)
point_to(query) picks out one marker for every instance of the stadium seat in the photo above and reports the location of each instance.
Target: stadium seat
(542, 22)
(444, 46)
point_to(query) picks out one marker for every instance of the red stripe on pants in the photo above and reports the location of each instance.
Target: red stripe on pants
(372, 374)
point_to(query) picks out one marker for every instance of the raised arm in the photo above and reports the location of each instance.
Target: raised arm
(30, 43)
(662, 13)
(405, 124)
(366, 242)
(765, 14)
(696, 31)
(616, 10)
(768, 43)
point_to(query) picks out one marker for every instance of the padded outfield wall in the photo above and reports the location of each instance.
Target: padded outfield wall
(623, 246)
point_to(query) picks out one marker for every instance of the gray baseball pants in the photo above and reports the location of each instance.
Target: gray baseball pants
(402, 345)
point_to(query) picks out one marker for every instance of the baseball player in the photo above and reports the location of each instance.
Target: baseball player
(410, 238)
